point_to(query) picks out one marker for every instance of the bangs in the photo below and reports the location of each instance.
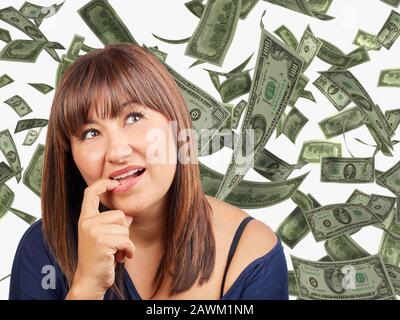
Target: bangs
(106, 82)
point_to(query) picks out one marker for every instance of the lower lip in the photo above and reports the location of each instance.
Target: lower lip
(128, 183)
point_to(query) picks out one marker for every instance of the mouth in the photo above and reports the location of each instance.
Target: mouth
(128, 180)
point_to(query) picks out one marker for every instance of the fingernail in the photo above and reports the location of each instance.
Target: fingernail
(115, 183)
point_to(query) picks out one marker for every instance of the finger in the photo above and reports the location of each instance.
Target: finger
(113, 230)
(114, 216)
(91, 201)
(120, 243)
(120, 257)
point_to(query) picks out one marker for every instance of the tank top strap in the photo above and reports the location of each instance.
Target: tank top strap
(232, 249)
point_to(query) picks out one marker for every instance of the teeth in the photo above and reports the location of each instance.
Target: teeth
(127, 174)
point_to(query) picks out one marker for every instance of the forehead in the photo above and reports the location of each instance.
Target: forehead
(101, 111)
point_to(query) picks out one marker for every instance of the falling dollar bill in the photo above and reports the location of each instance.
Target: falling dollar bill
(316, 9)
(235, 86)
(33, 174)
(26, 124)
(237, 113)
(41, 87)
(5, 79)
(205, 111)
(337, 97)
(298, 89)
(389, 78)
(11, 16)
(31, 136)
(393, 3)
(365, 278)
(38, 13)
(398, 210)
(313, 150)
(381, 205)
(69, 57)
(390, 179)
(160, 54)
(249, 194)
(197, 7)
(344, 247)
(389, 246)
(344, 121)
(335, 219)
(277, 69)
(293, 289)
(287, 37)
(8, 148)
(347, 170)
(308, 48)
(295, 227)
(22, 50)
(23, 215)
(214, 33)
(19, 105)
(393, 117)
(5, 35)
(294, 122)
(6, 172)
(390, 30)
(346, 81)
(394, 274)
(366, 40)
(359, 197)
(6, 194)
(105, 23)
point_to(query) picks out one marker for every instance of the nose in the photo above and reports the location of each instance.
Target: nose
(119, 149)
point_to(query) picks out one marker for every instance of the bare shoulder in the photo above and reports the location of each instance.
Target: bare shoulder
(256, 231)
(256, 240)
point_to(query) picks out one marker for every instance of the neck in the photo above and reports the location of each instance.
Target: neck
(147, 228)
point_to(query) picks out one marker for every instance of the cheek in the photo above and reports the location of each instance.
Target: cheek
(161, 176)
(161, 155)
(89, 163)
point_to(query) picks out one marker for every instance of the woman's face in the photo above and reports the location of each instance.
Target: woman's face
(139, 137)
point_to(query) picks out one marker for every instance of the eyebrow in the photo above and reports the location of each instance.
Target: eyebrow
(91, 121)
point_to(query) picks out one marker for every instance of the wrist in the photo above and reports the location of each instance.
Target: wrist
(83, 290)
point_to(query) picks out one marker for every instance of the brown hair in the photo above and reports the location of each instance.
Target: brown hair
(101, 78)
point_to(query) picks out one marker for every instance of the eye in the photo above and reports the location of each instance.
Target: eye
(135, 115)
(84, 135)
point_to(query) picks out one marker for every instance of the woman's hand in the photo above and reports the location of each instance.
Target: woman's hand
(103, 240)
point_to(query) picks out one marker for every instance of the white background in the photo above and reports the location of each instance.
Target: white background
(171, 19)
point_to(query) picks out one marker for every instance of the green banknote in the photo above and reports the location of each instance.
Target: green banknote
(316, 9)
(105, 23)
(32, 177)
(314, 150)
(335, 219)
(389, 78)
(347, 170)
(11, 16)
(346, 81)
(390, 179)
(9, 150)
(19, 105)
(277, 69)
(365, 278)
(214, 33)
(251, 194)
(390, 30)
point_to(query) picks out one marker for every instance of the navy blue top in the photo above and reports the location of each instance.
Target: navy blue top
(265, 278)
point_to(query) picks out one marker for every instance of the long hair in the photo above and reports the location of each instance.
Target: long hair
(103, 78)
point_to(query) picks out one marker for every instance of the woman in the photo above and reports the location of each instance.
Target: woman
(118, 223)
